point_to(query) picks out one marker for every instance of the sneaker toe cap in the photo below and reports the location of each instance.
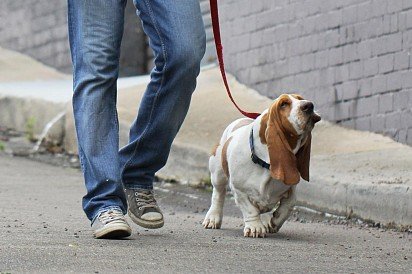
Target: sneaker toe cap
(152, 216)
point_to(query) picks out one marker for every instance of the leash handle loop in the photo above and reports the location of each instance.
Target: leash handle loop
(214, 11)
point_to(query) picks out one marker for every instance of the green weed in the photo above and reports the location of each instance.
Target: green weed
(30, 124)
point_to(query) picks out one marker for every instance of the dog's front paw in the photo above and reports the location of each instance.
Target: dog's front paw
(277, 221)
(267, 221)
(254, 229)
(212, 220)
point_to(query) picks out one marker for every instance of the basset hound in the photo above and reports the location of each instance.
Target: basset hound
(263, 160)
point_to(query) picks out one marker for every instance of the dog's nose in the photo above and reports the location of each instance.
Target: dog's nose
(307, 107)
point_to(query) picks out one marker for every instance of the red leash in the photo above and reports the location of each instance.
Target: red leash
(219, 51)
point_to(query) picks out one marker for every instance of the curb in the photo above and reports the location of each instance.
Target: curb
(187, 165)
(18, 112)
(387, 204)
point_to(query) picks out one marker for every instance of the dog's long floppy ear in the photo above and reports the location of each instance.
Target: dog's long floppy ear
(303, 158)
(283, 164)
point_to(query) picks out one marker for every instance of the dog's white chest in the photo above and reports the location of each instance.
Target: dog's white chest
(270, 193)
(276, 189)
(263, 191)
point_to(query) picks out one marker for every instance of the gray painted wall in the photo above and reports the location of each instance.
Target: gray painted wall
(38, 28)
(210, 55)
(352, 57)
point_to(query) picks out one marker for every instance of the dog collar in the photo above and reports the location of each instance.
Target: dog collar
(255, 158)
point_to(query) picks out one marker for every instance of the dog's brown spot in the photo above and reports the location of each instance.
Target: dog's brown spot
(263, 126)
(242, 123)
(225, 165)
(214, 150)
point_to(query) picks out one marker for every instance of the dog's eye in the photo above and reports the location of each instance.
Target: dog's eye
(284, 104)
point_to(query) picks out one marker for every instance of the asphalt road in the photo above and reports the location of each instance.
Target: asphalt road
(43, 229)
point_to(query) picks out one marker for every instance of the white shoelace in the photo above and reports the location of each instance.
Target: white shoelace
(110, 216)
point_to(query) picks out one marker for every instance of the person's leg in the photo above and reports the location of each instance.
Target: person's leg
(177, 37)
(95, 33)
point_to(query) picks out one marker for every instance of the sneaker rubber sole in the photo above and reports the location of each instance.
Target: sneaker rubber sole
(145, 223)
(113, 232)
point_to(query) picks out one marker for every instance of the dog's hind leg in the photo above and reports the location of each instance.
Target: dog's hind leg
(219, 181)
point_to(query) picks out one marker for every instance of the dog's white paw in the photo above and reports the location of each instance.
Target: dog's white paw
(254, 229)
(278, 220)
(212, 220)
(267, 221)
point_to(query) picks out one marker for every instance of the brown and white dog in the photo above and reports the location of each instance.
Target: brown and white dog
(279, 141)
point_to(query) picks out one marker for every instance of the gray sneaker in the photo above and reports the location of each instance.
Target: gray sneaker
(111, 224)
(143, 209)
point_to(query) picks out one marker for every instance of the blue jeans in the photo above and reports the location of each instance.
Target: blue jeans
(177, 38)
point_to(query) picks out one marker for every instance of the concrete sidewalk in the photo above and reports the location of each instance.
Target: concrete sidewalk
(44, 230)
(353, 173)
